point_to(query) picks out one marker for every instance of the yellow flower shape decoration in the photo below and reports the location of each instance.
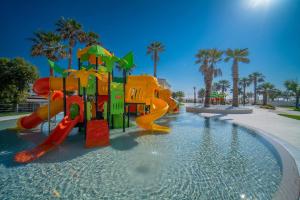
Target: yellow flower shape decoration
(83, 75)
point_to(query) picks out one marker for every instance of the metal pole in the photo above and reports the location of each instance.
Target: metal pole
(79, 66)
(194, 94)
(96, 98)
(65, 96)
(128, 113)
(124, 106)
(109, 100)
(49, 112)
(85, 110)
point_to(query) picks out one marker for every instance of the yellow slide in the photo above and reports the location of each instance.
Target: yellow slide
(42, 87)
(159, 109)
(40, 115)
(142, 89)
(166, 95)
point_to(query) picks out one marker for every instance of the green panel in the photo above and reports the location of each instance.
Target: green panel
(118, 121)
(105, 111)
(57, 68)
(91, 88)
(89, 111)
(74, 110)
(116, 98)
(118, 79)
(126, 62)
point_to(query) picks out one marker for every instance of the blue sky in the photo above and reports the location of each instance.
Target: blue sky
(269, 28)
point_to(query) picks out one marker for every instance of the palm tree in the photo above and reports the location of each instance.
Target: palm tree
(287, 94)
(201, 94)
(256, 78)
(47, 44)
(237, 55)
(244, 82)
(71, 31)
(208, 60)
(223, 85)
(180, 95)
(275, 93)
(294, 87)
(265, 89)
(154, 49)
(91, 38)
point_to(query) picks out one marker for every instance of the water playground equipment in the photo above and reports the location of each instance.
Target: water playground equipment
(166, 95)
(94, 100)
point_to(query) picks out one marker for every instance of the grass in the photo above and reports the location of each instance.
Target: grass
(291, 108)
(296, 109)
(5, 114)
(297, 117)
(268, 107)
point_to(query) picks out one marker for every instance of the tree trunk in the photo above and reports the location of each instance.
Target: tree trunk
(208, 83)
(244, 94)
(297, 101)
(195, 100)
(255, 94)
(235, 75)
(265, 98)
(70, 57)
(155, 63)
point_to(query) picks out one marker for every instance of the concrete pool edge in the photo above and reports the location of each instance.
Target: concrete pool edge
(218, 110)
(289, 188)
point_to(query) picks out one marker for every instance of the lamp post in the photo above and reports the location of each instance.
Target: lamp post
(194, 94)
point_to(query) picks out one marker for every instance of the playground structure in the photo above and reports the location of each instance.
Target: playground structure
(166, 95)
(217, 98)
(92, 99)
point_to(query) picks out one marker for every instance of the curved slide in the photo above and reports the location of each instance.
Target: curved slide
(159, 109)
(173, 105)
(40, 115)
(57, 136)
(42, 87)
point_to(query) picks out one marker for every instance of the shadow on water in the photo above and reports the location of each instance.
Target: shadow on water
(73, 147)
(128, 141)
(10, 143)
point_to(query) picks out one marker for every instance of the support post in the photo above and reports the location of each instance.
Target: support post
(96, 97)
(85, 111)
(49, 95)
(128, 113)
(124, 106)
(194, 95)
(79, 66)
(108, 101)
(65, 96)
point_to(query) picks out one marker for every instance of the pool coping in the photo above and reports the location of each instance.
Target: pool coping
(289, 188)
(225, 110)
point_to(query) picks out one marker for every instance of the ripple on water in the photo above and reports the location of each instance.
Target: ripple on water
(199, 159)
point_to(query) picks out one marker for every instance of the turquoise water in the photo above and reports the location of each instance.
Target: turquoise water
(199, 159)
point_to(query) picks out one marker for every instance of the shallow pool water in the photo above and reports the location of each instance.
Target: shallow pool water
(199, 159)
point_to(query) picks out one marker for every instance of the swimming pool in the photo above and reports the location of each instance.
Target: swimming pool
(200, 159)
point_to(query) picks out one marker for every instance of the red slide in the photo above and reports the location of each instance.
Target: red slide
(57, 136)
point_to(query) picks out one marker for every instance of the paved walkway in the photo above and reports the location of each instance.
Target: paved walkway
(286, 111)
(285, 130)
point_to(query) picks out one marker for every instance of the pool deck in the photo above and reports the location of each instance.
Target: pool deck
(5, 118)
(284, 130)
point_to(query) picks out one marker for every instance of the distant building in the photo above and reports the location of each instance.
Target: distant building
(33, 98)
(164, 83)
